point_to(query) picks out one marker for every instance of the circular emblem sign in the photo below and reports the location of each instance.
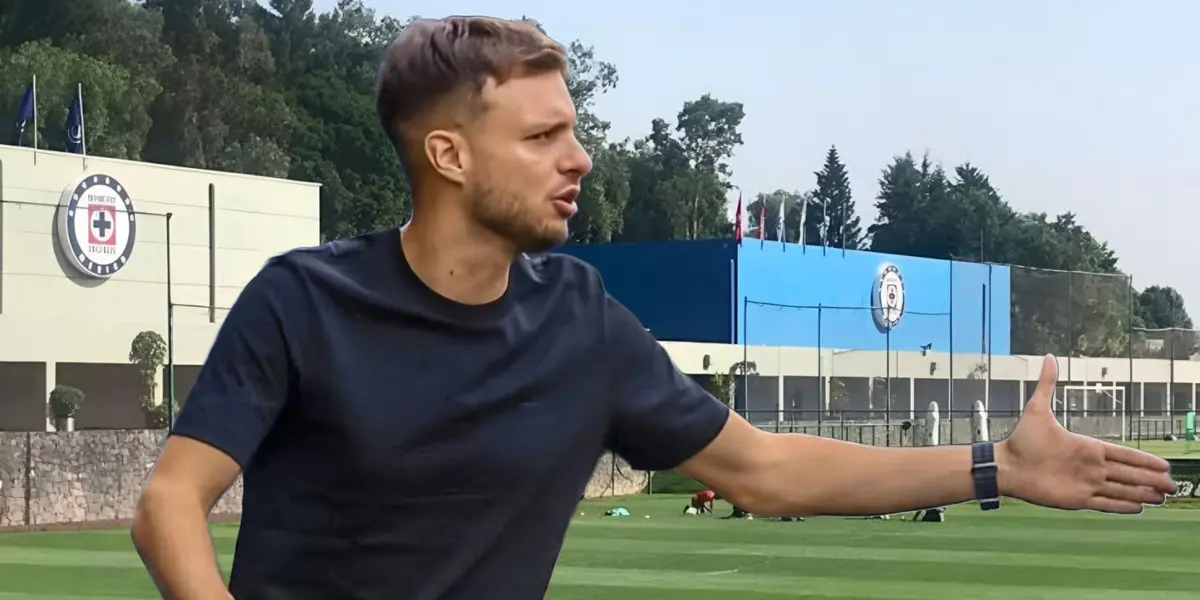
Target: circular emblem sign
(887, 298)
(97, 226)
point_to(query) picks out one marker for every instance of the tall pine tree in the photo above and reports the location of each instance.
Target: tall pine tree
(841, 223)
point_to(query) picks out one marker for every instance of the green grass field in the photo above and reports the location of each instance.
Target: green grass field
(1179, 449)
(1020, 553)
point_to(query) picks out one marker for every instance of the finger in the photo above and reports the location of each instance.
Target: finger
(1127, 475)
(1135, 458)
(1120, 507)
(1131, 493)
(1047, 382)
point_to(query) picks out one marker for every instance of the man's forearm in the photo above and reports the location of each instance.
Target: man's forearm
(808, 475)
(173, 539)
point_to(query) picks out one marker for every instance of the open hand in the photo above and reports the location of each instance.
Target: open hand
(1044, 464)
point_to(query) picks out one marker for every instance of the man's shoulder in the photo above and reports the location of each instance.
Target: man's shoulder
(339, 252)
(341, 263)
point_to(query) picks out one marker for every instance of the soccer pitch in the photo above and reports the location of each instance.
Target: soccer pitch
(1019, 553)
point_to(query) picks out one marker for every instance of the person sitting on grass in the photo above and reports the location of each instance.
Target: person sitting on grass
(703, 500)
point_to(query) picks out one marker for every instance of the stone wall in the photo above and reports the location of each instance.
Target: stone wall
(80, 477)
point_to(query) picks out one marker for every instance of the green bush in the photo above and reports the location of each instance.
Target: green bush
(156, 415)
(65, 401)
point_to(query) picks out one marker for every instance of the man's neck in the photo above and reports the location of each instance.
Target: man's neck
(456, 260)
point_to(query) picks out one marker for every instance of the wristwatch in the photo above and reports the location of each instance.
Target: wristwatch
(983, 471)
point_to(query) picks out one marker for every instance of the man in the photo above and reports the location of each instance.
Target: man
(703, 501)
(416, 412)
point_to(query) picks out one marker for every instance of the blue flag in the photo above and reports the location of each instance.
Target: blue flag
(24, 116)
(75, 142)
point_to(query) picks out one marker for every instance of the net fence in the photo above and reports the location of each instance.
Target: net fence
(1173, 350)
(1071, 314)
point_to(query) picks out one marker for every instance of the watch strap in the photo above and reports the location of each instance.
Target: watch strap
(983, 471)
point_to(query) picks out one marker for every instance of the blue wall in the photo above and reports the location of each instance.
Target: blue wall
(803, 276)
(681, 291)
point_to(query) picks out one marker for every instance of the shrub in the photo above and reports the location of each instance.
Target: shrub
(65, 402)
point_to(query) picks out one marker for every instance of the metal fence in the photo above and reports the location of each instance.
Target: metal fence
(864, 427)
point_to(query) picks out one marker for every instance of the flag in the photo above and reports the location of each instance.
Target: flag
(803, 219)
(24, 116)
(762, 222)
(738, 221)
(779, 225)
(824, 222)
(75, 133)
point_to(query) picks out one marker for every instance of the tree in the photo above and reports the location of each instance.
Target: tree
(678, 179)
(1161, 310)
(117, 99)
(147, 352)
(899, 227)
(1071, 299)
(709, 135)
(606, 191)
(838, 219)
(1162, 307)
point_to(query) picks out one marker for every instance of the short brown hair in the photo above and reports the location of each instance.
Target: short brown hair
(434, 58)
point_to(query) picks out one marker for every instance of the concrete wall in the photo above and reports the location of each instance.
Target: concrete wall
(779, 291)
(679, 290)
(224, 227)
(55, 478)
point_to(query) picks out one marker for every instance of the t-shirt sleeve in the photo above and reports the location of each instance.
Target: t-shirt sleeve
(661, 417)
(250, 369)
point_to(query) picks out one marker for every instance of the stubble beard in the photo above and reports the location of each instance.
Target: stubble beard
(502, 214)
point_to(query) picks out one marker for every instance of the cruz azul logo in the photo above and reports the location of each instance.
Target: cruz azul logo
(97, 226)
(887, 297)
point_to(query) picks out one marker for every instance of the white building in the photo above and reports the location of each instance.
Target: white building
(84, 269)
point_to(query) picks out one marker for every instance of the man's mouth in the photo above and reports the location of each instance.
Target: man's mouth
(564, 202)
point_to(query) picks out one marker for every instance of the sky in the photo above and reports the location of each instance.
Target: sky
(1091, 107)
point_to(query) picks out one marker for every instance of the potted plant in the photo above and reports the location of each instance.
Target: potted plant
(147, 352)
(65, 402)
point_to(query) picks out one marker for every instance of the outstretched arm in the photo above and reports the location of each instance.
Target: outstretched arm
(789, 474)
(801, 475)
(664, 419)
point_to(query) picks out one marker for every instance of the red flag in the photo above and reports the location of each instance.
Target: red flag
(738, 219)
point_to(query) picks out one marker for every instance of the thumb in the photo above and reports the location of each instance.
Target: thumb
(1043, 396)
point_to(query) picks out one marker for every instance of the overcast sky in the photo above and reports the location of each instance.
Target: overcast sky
(1092, 107)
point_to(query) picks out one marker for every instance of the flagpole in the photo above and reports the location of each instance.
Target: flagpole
(82, 128)
(35, 120)
(844, 229)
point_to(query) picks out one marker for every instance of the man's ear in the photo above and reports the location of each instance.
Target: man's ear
(448, 154)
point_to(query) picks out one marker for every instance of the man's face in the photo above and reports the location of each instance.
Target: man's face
(526, 164)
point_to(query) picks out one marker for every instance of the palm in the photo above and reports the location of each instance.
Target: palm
(1053, 467)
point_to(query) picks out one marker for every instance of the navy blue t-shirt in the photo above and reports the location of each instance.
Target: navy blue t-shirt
(397, 445)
